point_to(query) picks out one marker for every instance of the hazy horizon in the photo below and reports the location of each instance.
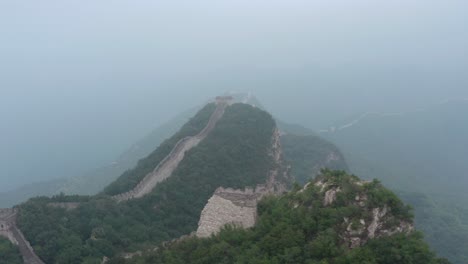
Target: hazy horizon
(82, 80)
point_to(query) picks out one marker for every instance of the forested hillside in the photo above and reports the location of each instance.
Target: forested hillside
(235, 154)
(299, 227)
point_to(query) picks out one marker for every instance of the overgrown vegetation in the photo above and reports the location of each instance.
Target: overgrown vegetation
(9, 254)
(235, 154)
(298, 228)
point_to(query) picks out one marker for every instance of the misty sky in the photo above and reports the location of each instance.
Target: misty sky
(82, 80)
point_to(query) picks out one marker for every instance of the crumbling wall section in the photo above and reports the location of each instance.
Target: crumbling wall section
(230, 207)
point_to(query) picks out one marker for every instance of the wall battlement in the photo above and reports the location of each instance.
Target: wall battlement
(224, 99)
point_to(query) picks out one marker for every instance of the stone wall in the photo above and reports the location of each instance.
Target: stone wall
(167, 166)
(229, 206)
(9, 230)
(7, 219)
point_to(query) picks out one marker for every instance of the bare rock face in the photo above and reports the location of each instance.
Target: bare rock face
(330, 196)
(329, 189)
(377, 226)
(379, 223)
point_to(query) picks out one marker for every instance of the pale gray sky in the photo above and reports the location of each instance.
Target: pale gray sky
(81, 80)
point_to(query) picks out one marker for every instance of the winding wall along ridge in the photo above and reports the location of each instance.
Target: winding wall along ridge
(167, 166)
(9, 230)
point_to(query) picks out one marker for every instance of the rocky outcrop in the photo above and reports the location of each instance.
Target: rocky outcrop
(9, 230)
(357, 231)
(167, 166)
(330, 195)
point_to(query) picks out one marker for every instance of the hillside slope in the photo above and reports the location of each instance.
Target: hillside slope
(235, 154)
(334, 219)
(243, 150)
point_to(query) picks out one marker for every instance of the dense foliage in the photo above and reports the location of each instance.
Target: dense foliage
(298, 228)
(9, 254)
(308, 154)
(235, 154)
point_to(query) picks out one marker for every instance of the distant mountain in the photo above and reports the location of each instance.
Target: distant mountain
(308, 154)
(422, 154)
(94, 181)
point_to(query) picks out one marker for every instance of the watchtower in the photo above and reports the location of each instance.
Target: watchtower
(224, 99)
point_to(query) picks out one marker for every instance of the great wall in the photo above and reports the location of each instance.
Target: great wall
(9, 230)
(163, 170)
(167, 166)
(228, 206)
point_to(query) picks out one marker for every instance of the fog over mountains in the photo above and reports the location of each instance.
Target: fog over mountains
(80, 82)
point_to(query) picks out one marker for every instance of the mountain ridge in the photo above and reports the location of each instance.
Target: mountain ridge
(243, 149)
